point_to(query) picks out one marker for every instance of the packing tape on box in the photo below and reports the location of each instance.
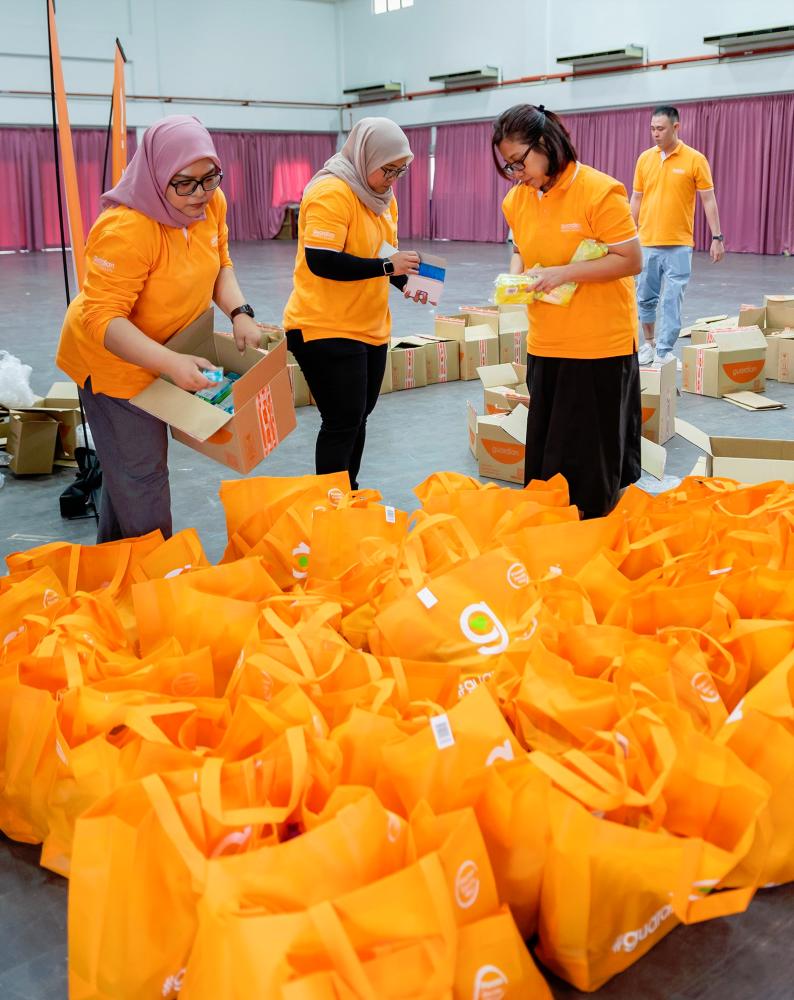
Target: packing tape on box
(441, 348)
(410, 373)
(518, 338)
(267, 419)
(700, 363)
(483, 352)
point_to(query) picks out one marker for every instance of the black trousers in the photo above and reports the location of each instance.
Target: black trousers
(585, 421)
(345, 377)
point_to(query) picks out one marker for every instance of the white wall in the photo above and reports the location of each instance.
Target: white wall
(306, 50)
(280, 50)
(525, 39)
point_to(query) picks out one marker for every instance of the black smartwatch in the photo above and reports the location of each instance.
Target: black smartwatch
(720, 237)
(388, 267)
(246, 310)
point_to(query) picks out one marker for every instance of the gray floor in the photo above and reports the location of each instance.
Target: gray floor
(411, 434)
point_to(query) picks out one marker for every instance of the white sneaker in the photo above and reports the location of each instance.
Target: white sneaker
(645, 354)
(659, 359)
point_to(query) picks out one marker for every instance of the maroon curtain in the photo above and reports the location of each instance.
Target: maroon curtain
(29, 219)
(263, 173)
(749, 142)
(467, 190)
(413, 191)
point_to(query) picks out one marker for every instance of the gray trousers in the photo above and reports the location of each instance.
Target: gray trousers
(133, 449)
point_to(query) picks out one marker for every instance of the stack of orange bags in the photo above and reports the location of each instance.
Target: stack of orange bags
(369, 755)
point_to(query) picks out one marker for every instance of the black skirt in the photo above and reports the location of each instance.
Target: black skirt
(585, 421)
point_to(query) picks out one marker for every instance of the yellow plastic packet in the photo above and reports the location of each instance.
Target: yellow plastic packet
(515, 289)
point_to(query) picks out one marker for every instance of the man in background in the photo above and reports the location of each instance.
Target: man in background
(663, 205)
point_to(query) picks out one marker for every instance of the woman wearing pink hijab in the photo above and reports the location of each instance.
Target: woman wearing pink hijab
(156, 258)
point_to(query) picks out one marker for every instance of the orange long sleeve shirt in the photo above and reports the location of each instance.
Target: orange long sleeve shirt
(158, 277)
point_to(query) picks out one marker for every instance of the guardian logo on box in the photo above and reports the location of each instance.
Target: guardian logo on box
(481, 626)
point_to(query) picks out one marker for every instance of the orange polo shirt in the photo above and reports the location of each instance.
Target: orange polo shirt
(332, 217)
(158, 277)
(601, 319)
(668, 185)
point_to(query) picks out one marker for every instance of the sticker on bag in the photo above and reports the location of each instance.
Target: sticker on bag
(442, 732)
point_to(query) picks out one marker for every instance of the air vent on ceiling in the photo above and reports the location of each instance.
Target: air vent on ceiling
(627, 56)
(468, 78)
(390, 89)
(757, 39)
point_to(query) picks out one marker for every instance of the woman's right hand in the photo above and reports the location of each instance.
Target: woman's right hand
(405, 262)
(184, 370)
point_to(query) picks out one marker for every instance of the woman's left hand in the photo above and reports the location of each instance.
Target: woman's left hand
(245, 332)
(549, 278)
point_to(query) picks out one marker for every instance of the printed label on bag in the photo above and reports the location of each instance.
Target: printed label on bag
(629, 941)
(427, 597)
(50, 597)
(467, 885)
(173, 984)
(267, 419)
(502, 752)
(518, 576)
(490, 983)
(390, 515)
(473, 681)
(481, 626)
(300, 553)
(335, 496)
(703, 683)
(442, 732)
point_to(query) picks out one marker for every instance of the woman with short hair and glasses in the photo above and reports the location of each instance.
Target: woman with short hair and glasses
(584, 410)
(337, 318)
(156, 258)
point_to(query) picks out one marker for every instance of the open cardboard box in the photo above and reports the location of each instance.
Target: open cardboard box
(748, 460)
(263, 411)
(733, 363)
(442, 357)
(501, 445)
(61, 404)
(32, 437)
(504, 387)
(658, 401)
(513, 330)
(480, 347)
(408, 363)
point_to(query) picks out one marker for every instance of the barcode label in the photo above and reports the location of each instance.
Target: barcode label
(390, 517)
(427, 597)
(442, 732)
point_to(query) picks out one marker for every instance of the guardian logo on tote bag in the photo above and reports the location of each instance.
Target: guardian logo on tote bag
(490, 983)
(481, 626)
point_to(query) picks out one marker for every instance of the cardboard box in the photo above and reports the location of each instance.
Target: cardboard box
(704, 322)
(658, 401)
(442, 359)
(748, 460)
(777, 313)
(408, 363)
(734, 364)
(780, 355)
(62, 404)
(501, 445)
(480, 347)
(263, 411)
(32, 436)
(504, 387)
(477, 315)
(301, 396)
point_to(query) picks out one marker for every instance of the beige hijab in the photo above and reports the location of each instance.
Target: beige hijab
(372, 143)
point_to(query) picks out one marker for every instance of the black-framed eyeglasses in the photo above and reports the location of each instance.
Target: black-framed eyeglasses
(511, 168)
(389, 172)
(187, 187)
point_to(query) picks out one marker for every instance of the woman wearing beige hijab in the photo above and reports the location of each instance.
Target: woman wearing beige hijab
(337, 318)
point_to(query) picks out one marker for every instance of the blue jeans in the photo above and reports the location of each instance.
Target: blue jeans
(674, 265)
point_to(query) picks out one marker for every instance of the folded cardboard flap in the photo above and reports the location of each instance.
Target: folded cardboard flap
(514, 322)
(247, 386)
(653, 458)
(502, 375)
(31, 442)
(180, 409)
(694, 435)
(480, 331)
(752, 401)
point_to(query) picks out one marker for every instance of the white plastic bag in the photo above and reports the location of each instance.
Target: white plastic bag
(15, 388)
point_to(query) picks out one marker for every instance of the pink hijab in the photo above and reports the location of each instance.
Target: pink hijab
(168, 146)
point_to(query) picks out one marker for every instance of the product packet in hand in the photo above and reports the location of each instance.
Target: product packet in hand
(517, 288)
